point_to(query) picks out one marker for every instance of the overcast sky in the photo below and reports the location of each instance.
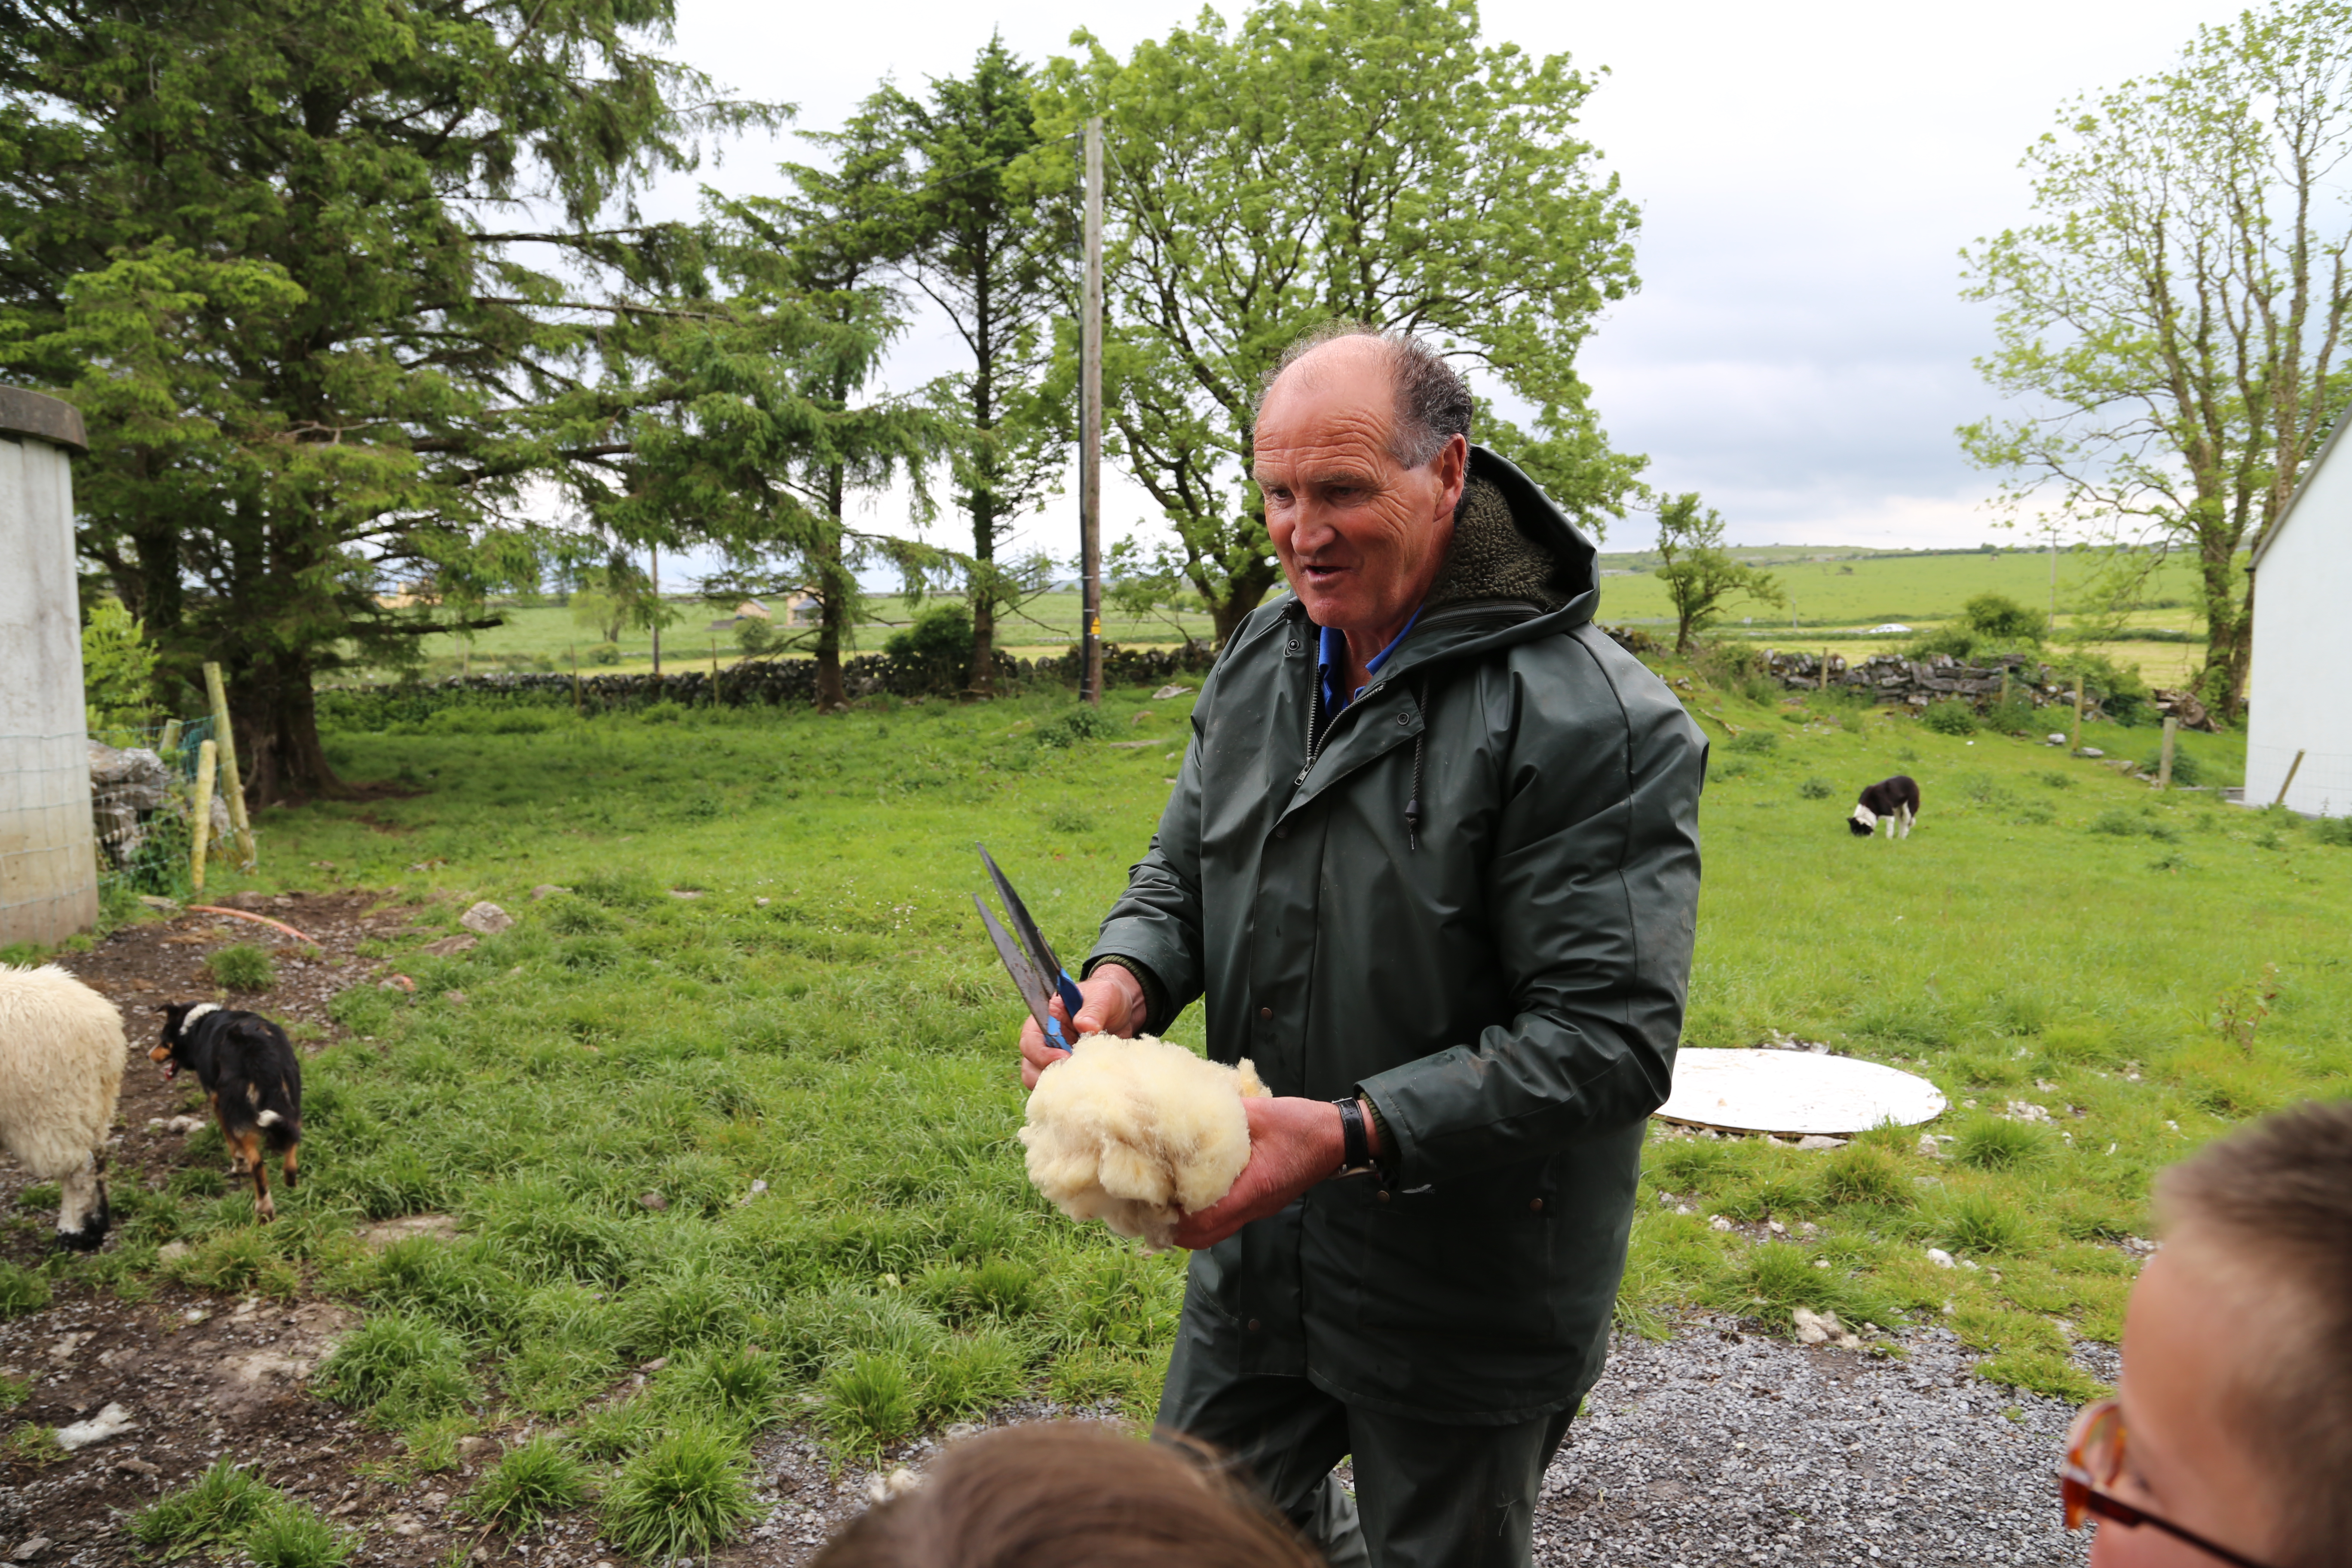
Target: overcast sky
(1799, 352)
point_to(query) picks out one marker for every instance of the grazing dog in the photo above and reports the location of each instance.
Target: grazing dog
(1893, 801)
(252, 1077)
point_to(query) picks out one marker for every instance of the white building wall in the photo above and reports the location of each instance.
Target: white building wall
(2300, 697)
(48, 858)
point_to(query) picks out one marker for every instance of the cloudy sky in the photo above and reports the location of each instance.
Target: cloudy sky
(1799, 352)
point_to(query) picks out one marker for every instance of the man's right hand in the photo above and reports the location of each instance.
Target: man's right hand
(1110, 1002)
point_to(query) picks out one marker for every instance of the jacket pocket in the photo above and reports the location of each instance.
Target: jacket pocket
(1479, 1270)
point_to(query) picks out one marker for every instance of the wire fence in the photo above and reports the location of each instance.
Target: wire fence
(143, 795)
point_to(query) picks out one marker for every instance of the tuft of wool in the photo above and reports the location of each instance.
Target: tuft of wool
(1137, 1134)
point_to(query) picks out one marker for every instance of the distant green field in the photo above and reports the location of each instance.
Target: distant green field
(1830, 591)
(1860, 591)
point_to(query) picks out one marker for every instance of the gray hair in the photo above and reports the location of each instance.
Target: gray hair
(1434, 403)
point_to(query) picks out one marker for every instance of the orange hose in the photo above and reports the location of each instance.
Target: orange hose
(257, 920)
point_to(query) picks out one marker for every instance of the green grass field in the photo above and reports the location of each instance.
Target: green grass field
(768, 969)
(1832, 590)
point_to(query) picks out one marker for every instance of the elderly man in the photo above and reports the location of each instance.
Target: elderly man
(1433, 863)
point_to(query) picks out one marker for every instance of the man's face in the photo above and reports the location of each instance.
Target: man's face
(2198, 1333)
(1359, 536)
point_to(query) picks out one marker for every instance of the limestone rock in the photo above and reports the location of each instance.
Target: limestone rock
(486, 918)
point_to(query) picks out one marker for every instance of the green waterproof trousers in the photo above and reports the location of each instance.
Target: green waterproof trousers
(1428, 1495)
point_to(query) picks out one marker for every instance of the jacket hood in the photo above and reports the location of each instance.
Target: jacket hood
(1519, 568)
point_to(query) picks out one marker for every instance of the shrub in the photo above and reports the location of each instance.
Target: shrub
(218, 1507)
(938, 646)
(1990, 1143)
(604, 653)
(682, 1495)
(1950, 718)
(2327, 829)
(2185, 771)
(528, 1484)
(1815, 789)
(2002, 619)
(242, 967)
(290, 1534)
(399, 1369)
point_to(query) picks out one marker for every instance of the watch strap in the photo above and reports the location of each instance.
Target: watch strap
(1357, 1146)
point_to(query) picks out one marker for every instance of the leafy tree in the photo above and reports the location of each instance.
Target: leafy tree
(266, 246)
(1701, 576)
(118, 668)
(2177, 312)
(1358, 159)
(995, 256)
(774, 458)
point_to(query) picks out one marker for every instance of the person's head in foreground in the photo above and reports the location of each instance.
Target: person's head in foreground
(1063, 1495)
(2230, 1437)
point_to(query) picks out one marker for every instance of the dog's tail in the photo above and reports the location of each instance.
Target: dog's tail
(279, 1102)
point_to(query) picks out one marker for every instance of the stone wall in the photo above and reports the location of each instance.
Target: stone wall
(1890, 677)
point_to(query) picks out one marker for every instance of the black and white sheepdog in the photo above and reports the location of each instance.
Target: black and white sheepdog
(1895, 802)
(250, 1075)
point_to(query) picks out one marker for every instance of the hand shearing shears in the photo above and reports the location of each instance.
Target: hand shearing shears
(1034, 970)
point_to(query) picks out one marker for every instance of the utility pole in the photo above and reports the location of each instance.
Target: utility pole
(1090, 417)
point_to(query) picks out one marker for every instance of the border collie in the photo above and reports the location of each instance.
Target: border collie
(250, 1075)
(1895, 802)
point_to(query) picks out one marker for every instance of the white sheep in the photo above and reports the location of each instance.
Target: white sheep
(61, 1051)
(1137, 1134)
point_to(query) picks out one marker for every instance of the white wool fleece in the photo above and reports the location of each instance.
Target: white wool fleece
(61, 1051)
(1138, 1132)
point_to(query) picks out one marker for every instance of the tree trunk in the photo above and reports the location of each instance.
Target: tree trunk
(2240, 657)
(833, 603)
(275, 717)
(980, 686)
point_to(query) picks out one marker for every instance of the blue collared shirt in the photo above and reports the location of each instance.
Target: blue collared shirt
(1332, 656)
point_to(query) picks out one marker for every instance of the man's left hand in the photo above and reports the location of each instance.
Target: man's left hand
(1294, 1145)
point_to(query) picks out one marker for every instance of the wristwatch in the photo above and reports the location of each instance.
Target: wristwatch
(1356, 1159)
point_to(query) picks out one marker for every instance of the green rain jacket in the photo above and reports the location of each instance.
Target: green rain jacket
(1505, 983)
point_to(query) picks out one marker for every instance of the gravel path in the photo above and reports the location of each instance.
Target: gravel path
(1724, 1447)
(1717, 1447)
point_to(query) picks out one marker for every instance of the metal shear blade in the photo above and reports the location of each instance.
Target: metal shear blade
(1035, 972)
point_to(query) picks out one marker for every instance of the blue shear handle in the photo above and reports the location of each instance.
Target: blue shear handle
(1071, 1000)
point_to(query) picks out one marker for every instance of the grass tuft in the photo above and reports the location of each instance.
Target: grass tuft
(218, 1507)
(528, 1484)
(688, 1491)
(1862, 1173)
(398, 1368)
(290, 1534)
(22, 1291)
(869, 1401)
(241, 966)
(1990, 1143)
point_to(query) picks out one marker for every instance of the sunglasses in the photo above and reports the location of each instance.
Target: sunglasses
(2094, 1458)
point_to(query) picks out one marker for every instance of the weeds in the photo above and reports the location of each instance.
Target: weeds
(241, 966)
(869, 1401)
(35, 1445)
(1815, 789)
(2243, 1008)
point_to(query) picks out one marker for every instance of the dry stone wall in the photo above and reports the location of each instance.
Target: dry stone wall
(1891, 679)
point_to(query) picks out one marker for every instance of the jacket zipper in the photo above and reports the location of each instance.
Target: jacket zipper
(1314, 713)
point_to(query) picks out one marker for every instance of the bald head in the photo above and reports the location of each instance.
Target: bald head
(1428, 402)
